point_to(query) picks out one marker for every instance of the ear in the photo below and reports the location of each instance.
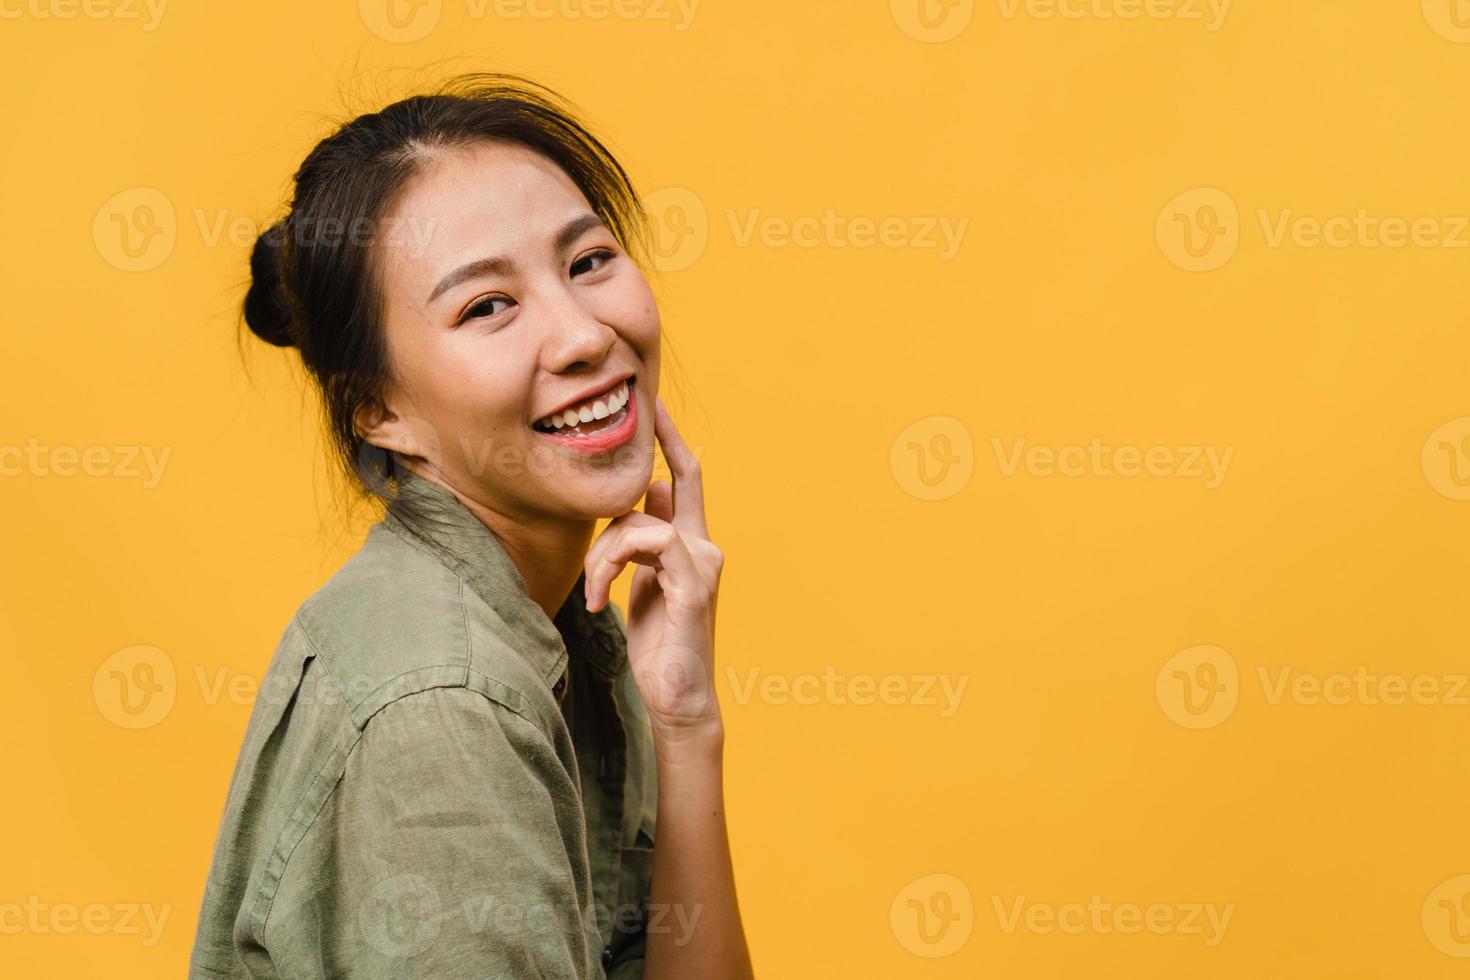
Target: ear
(380, 426)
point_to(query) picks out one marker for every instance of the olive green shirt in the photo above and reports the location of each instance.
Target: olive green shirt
(436, 779)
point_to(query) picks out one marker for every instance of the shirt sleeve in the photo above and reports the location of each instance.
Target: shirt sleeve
(458, 849)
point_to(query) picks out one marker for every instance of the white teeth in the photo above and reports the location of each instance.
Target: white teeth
(601, 408)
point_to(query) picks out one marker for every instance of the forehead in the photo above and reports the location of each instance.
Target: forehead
(473, 201)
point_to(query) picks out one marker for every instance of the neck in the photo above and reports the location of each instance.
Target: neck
(549, 554)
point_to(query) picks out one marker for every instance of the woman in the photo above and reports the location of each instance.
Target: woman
(463, 761)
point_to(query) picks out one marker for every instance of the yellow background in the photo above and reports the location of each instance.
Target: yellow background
(814, 382)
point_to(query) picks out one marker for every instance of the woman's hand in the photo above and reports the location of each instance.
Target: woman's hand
(671, 640)
(671, 615)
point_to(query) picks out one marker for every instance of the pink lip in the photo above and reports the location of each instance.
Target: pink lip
(607, 439)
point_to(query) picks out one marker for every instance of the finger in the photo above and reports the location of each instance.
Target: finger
(657, 545)
(688, 481)
(659, 501)
(615, 527)
(597, 574)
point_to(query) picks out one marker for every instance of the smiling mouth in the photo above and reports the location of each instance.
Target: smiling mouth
(597, 414)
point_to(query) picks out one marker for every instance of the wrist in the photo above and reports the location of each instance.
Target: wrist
(689, 744)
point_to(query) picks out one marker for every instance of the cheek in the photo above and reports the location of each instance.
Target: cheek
(629, 307)
(472, 388)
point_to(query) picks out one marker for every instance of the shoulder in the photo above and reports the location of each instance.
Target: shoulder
(395, 620)
(445, 742)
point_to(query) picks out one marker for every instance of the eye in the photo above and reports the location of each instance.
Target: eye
(604, 254)
(483, 307)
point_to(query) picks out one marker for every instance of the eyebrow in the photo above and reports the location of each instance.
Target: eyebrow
(499, 265)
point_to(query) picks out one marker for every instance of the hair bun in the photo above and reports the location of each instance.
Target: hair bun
(266, 309)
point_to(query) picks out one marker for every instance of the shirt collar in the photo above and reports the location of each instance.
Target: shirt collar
(436, 518)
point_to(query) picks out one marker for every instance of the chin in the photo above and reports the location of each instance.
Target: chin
(613, 493)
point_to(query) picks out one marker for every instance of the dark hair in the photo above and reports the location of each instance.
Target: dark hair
(315, 285)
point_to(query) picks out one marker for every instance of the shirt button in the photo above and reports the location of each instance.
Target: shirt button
(606, 957)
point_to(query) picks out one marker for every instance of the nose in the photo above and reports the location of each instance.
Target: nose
(576, 339)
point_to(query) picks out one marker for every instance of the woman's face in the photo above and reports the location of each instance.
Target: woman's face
(507, 301)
